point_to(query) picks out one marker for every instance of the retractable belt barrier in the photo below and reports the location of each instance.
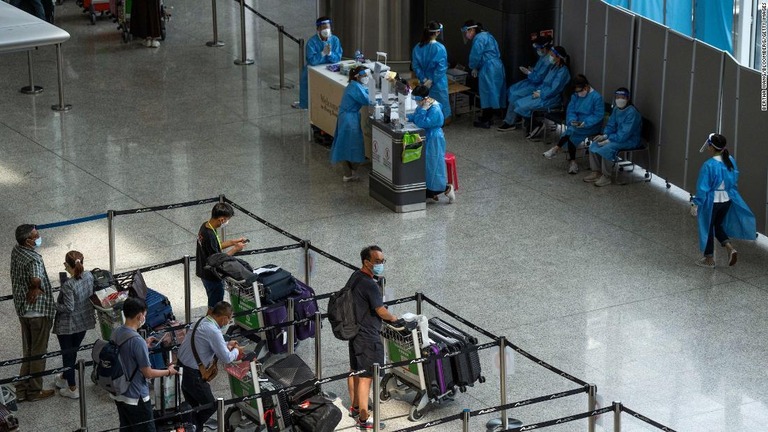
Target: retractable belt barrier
(645, 419)
(561, 420)
(165, 207)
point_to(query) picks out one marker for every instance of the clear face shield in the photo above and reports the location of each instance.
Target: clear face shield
(464, 31)
(707, 143)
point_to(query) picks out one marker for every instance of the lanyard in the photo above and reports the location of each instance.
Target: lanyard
(215, 233)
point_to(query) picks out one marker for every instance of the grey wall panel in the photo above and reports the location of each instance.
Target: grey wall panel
(704, 107)
(673, 133)
(619, 52)
(573, 38)
(649, 69)
(729, 97)
(593, 61)
(749, 147)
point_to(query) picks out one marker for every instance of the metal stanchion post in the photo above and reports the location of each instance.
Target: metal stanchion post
(591, 404)
(61, 107)
(242, 61)
(301, 56)
(307, 262)
(281, 60)
(111, 228)
(187, 289)
(616, 416)
(376, 396)
(418, 303)
(465, 420)
(220, 414)
(31, 88)
(291, 316)
(81, 391)
(504, 422)
(215, 42)
(318, 353)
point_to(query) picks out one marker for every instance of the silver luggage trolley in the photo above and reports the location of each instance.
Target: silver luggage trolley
(403, 344)
(250, 415)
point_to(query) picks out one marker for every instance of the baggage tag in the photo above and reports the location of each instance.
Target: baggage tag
(509, 358)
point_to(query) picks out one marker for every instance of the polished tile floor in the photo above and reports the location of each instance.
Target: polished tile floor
(599, 282)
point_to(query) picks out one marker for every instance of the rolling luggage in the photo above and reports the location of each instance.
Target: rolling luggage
(95, 6)
(276, 284)
(159, 309)
(438, 373)
(291, 371)
(277, 416)
(466, 366)
(304, 310)
(277, 339)
(8, 421)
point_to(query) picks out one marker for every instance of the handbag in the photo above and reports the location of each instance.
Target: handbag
(412, 147)
(207, 373)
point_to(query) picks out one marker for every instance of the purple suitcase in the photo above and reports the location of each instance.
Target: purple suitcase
(277, 339)
(438, 373)
(303, 310)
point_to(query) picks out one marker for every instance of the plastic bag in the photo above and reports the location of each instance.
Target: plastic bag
(412, 147)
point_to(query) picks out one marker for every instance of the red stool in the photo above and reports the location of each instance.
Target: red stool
(450, 165)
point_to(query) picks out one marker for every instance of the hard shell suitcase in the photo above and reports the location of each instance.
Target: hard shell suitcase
(277, 416)
(304, 309)
(438, 372)
(466, 366)
(276, 283)
(277, 339)
(159, 309)
(293, 371)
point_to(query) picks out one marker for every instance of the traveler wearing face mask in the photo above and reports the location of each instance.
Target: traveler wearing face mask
(322, 48)
(429, 61)
(622, 132)
(209, 346)
(366, 348)
(428, 116)
(485, 61)
(583, 119)
(33, 301)
(347, 145)
(208, 243)
(134, 407)
(525, 87)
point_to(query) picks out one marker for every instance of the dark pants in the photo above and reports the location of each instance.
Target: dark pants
(34, 341)
(432, 194)
(197, 392)
(566, 140)
(70, 342)
(719, 210)
(133, 417)
(215, 291)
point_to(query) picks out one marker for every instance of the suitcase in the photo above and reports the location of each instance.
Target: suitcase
(438, 373)
(277, 416)
(159, 309)
(8, 421)
(304, 310)
(275, 284)
(92, 7)
(290, 371)
(466, 366)
(277, 339)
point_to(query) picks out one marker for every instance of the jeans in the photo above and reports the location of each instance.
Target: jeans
(34, 341)
(132, 417)
(719, 210)
(70, 342)
(215, 291)
(197, 392)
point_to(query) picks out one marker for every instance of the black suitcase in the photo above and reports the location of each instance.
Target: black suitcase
(8, 421)
(275, 283)
(438, 373)
(277, 417)
(466, 366)
(293, 371)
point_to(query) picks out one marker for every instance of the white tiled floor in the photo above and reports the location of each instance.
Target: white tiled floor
(600, 282)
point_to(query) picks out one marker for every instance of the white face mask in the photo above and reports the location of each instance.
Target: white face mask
(143, 320)
(225, 223)
(364, 80)
(325, 33)
(621, 103)
(582, 93)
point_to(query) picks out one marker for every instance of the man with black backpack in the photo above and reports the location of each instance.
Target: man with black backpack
(366, 347)
(133, 405)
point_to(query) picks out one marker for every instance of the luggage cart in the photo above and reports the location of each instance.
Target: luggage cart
(250, 415)
(403, 344)
(109, 319)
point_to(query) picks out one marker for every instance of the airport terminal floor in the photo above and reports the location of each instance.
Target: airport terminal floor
(599, 282)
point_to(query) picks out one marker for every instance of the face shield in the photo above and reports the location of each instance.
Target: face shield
(708, 142)
(464, 31)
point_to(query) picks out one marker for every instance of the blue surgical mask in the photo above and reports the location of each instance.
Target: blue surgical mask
(38, 242)
(378, 269)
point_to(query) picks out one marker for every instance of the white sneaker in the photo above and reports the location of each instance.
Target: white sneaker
(592, 177)
(351, 178)
(603, 181)
(296, 105)
(573, 168)
(61, 383)
(450, 194)
(155, 43)
(72, 394)
(148, 43)
(551, 153)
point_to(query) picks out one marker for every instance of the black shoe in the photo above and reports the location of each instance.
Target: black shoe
(506, 127)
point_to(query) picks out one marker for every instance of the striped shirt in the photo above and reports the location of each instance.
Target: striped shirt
(25, 265)
(74, 311)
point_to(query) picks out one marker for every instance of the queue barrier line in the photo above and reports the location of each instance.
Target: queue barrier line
(43, 373)
(258, 14)
(645, 419)
(71, 221)
(263, 221)
(561, 420)
(165, 207)
(332, 258)
(458, 318)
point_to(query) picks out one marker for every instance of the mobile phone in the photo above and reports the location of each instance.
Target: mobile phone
(246, 240)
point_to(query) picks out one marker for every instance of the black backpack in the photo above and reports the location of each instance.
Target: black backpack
(109, 369)
(341, 311)
(102, 279)
(316, 414)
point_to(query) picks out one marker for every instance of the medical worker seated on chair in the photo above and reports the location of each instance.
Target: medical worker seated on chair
(322, 48)
(621, 133)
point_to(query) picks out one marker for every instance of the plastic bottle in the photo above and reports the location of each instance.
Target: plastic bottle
(359, 57)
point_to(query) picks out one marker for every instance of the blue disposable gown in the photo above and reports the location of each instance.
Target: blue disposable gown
(739, 221)
(623, 131)
(485, 57)
(526, 86)
(314, 57)
(550, 92)
(430, 61)
(589, 109)
(348, 138)
(431, 121)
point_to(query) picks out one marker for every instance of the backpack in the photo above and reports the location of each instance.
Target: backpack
(341, 311)
(316, 414)
(102, 279)
(109, 371)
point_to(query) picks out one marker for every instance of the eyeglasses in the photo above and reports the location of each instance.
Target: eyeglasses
(381, 261)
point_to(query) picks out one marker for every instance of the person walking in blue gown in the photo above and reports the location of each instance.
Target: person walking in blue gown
(322, 48)
(429, 116)
(347, 145)
(486, 65)
(429, 61)
(721, 211)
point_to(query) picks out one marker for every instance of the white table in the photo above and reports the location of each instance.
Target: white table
(20, 31)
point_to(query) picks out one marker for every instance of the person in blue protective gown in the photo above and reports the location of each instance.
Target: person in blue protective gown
(718, 206)
(429, 61)
(347, 145)
(549, 94)
(322, 48)
(486, 65)
(583, 119)
(533, 80)
(622, 132)
(429, 116)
